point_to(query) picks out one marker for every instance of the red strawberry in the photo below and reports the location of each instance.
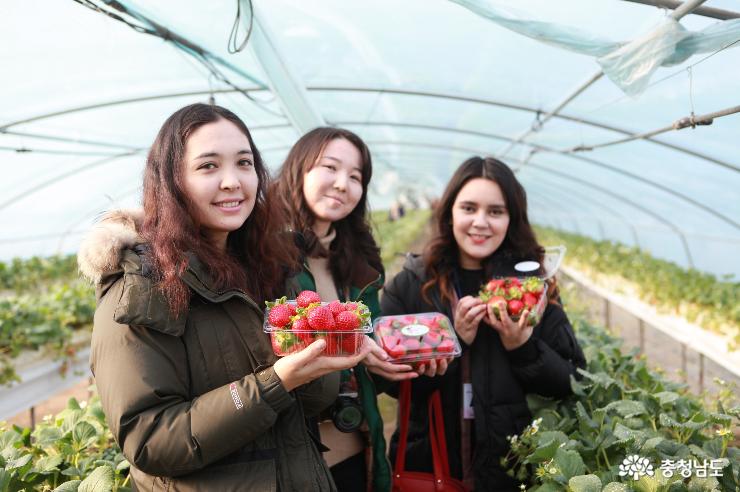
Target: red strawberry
(515, 307)
(425, 348)
(412, 344)
(279, 315)
(335, 307)
(397, 352)
(529, 300)
(446, 345)
(432, 338)
(293, 309)
(347, 321)
(320, 318)
(307, 297)
(389, 341)
(303, 330)
(350, 306)
(513, 282)
(494, 284)
(350, 343)
(496, 302)
(332, 344)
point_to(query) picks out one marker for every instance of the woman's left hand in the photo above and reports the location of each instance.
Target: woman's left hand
(513, 333)
(376, 362)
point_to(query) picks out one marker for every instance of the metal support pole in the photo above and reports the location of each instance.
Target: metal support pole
(712, 12)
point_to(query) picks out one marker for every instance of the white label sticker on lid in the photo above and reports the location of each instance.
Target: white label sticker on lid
(415, 330)
(527, 266)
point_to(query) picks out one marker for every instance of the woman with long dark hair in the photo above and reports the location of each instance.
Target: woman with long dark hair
(482, 230)
(190, 386)
(322, 189)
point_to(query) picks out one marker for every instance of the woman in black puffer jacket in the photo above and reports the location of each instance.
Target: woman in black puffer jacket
(482, 231)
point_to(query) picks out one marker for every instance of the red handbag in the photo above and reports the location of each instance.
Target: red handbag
(411, 481)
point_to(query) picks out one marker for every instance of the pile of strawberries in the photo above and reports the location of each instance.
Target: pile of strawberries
(295, 324)
(516, 294)
(417, 337)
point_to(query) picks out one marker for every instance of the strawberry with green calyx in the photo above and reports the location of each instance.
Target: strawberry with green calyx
(279, 316)
(336, 307)
(512, 282)
(302, 330)
(306, 298)
(496, 303)
(530, 300)
(283, 342)
(347, 321)
(513, 292)
(494, 284)
(533, 285)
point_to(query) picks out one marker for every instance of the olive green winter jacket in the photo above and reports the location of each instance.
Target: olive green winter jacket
(194, 402)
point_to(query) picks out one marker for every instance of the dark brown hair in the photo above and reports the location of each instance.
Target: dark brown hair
(353, 232)
(442, 253)
(255, 260)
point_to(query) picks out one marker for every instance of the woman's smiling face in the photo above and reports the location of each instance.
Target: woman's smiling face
(333, 186)
(480, 220)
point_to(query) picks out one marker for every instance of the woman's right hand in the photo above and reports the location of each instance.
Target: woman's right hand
(303, 367)
(468, 315)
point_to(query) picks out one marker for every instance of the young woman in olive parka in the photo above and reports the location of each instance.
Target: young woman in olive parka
(190, 386)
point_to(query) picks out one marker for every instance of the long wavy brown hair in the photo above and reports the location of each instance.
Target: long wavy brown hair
(442, 254)
(256, 259)
(354, 234)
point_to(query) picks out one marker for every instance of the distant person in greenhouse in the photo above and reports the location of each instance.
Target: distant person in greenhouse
(322, 190)
(190, 386)
(482, 231)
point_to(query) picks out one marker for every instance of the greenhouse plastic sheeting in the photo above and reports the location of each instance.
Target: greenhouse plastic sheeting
(427, 83)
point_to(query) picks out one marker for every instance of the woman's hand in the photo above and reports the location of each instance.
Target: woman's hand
(376, 362)
(434, 367)
(513, 333)
(302, 367)
(468, 314)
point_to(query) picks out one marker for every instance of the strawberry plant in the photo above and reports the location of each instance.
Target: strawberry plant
(712, 303)
(395, 238)
(621, 409)
(21, 275)
(73, 451)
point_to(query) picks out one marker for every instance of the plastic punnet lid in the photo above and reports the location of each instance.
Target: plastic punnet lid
(417, 337)
(551, 264)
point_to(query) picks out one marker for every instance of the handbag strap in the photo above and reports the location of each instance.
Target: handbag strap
(404, 410)
(437, 438)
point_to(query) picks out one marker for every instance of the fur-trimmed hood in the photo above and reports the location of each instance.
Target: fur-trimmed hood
(102, 248)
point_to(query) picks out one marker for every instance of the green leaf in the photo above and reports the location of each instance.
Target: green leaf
(18, 462)
(45, 437)
(627, 408)
(569, 463)
(666, 397)
(71, 486)
(84, 434)
(100, 480)
(73, 404)
(123, 465)
(47, 464)
(585, 483)
(4, 480)
(543, 452)
(646, 484)
(615, 487)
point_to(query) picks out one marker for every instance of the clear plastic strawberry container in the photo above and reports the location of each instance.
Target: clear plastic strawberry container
(417, 337)
(297, 335)
(525, 288)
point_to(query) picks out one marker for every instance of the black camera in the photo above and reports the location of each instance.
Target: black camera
(347, 413)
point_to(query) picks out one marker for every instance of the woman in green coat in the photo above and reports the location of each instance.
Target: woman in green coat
(191, 389)
(322, 187)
